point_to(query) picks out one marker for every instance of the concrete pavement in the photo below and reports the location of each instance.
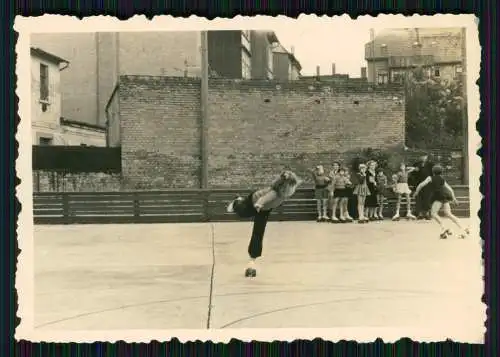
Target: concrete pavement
(190, 276)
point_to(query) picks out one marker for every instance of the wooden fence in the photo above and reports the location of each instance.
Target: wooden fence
(176, 206)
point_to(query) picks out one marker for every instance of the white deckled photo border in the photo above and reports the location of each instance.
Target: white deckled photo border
(25, 26)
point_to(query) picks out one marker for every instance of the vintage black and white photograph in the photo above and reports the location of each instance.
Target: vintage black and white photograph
(310, 177)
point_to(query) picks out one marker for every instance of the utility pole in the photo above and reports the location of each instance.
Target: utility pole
(204, 111)
(97, 80)
(465, 122)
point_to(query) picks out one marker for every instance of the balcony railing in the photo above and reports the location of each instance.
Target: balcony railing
(410, 61)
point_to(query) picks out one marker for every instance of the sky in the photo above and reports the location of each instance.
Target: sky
(344, 48)
(321, 43)
(316, 40)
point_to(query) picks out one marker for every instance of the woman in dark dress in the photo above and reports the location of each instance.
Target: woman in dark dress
(423, 169)
(371, 203)
(441, 195)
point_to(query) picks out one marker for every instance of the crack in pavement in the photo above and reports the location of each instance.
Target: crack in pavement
(209, 313)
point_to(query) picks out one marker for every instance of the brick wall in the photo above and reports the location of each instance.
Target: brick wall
(160, 131)
(255, 128)
(45, 181)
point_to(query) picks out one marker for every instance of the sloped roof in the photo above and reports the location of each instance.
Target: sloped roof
(278, 48)
(35, 51)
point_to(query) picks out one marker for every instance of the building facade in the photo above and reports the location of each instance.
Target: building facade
(286, 67)
(48, 125)
(45, 95)
(254, 128)
(230, 54)
(262, 54)
(98, 59)
(393, 53)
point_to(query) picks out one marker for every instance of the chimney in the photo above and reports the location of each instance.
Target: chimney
(363, 72)
(333, 69)
(317, 71)
(292, 50)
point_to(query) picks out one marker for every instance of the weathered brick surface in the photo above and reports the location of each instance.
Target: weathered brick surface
(255, 128)
(160, 132)
(258, 128)
(97, 182)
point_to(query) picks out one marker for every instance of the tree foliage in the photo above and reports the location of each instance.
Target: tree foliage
(433, 112)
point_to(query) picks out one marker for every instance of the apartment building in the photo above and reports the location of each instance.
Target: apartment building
(47, 124)
(393, 52)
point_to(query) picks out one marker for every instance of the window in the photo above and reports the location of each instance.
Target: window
(43, 141)
(246, 65)
(436, 72)
(44, 82)
(245, 40)
(382, 78)
(398, 77)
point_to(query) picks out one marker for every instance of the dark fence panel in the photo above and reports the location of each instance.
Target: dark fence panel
(177, 206)
(75, 159)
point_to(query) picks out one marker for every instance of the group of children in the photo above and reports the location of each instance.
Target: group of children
(369, 185)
